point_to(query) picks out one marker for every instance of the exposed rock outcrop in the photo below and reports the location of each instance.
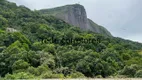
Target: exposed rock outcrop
(11, 30)
(75, 15)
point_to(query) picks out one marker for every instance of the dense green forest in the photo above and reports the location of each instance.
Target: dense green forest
(26, 49)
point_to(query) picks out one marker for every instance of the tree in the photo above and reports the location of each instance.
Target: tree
(3, 22)
(138, 74)
(76, 75)
(20, 65)
(20, 75)
(130, 71)
(47, 59)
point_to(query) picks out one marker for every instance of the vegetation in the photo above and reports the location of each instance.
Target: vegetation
(36, 49)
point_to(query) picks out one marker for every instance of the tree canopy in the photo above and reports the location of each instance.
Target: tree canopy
(41, 48)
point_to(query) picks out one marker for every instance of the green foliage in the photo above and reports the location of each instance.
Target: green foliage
(130, 71)
(20, 65)
(138, 74)
(49, 48)
(62, 70)
(47, 59)
(76, 75)
(33, 71)
(135, 60)
(42, 69)
(3, 21)
(14, 48)
(39, 70)
(50, 75)
(37, 46)
(20, 75)
(33, 58)
(24, 54)
(21, 38)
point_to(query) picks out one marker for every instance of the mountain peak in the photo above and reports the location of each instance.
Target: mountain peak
(76, 5)
(75, 14)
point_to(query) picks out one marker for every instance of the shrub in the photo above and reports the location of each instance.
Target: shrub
(20, 64)
(138, 74)
(130, 71)
(33, 71)
(20, 75)
(76, 75)
(50, 75)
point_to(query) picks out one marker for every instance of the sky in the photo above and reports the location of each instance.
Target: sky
(123, 18)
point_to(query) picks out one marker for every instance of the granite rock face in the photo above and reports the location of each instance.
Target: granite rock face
(76, 16)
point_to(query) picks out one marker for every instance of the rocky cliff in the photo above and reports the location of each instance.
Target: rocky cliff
(75, 15)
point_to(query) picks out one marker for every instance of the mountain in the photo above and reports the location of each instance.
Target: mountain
(35, 46)
(76, 15)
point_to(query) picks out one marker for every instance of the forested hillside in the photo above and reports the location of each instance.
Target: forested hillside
(37, 46)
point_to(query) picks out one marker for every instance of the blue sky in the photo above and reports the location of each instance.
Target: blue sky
(123, 18)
